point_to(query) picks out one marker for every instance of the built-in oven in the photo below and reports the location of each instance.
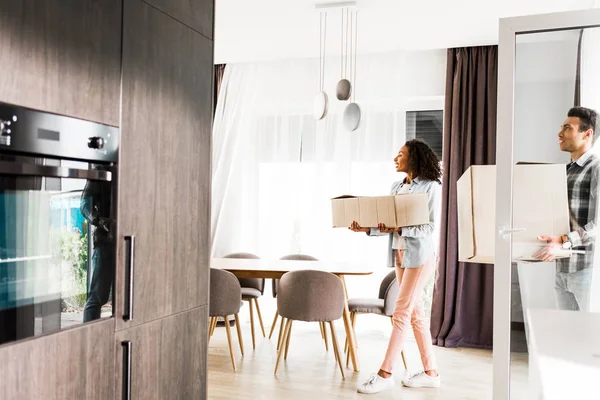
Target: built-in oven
(57, 221)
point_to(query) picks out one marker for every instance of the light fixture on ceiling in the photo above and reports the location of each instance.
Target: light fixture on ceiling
(352, 113)
(344, 87)
(333, 5)
(321, 102)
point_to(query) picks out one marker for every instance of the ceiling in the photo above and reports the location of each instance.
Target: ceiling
(255, 30)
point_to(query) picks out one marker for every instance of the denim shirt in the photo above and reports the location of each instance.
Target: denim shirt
(421, 240)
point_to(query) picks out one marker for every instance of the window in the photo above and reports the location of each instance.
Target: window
(427, 126)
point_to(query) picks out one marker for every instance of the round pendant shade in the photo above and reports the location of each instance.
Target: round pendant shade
(320, 105)
(351, 117)
(343, 90)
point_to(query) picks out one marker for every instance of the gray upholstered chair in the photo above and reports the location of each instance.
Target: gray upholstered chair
(225, 300)
(310, 296)
(275, 288)
(252, 289)
(383, 305)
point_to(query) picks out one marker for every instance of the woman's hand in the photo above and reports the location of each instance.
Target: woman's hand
(383, 229)
(355, 227)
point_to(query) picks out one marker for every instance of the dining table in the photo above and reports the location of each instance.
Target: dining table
(275, 269)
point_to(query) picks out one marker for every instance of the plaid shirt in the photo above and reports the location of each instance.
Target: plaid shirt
(582, 183)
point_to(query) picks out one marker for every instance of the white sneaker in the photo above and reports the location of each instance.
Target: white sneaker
(376, 384)
(421, 380)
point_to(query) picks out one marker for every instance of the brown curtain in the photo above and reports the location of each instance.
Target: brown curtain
(462, 310)
(219, 73)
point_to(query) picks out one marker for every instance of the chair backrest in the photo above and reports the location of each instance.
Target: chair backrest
(390, 289)
(310, 295)
(299, 257)
(225, 293)
(385, 283)
(254, 283)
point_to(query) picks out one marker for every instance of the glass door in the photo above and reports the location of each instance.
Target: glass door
(548, 198)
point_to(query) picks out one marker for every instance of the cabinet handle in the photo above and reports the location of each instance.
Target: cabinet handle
(129, 263)
(126, 369)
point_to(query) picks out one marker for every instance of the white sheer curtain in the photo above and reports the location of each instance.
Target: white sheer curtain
(275, 168)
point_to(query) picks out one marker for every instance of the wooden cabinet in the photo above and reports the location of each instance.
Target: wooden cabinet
(73, 364)
(62, 56)
(168, 357)
(197, 14)
(164, 181)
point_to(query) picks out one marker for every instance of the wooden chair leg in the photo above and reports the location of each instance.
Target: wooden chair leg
(262, 326)
(239, 333)
(353, 321)
(336, 348)
(285, 331)
(213, 325)
(274, 324)
(287, 342)
(228, 329)
(352, 316)
(347, 359)
(252, 323)
(404, 360)
(281, 332)
(210, 322)
(323, 328)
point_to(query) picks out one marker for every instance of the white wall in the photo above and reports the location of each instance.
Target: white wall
(544, 92)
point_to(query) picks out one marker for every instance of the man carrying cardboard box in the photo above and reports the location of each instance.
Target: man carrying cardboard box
(574, 274)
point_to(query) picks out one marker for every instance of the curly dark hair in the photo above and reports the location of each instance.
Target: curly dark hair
(422, 161)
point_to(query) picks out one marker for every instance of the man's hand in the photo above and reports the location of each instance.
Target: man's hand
(548, 253)
(355, 227)
(383, 229)
(550, 239)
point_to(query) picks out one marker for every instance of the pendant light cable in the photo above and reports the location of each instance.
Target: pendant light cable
(355, 55)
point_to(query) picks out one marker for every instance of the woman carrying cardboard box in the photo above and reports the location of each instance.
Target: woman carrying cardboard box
(413, 253)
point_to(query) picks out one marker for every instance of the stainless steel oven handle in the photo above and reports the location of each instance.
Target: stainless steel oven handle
(11, 168)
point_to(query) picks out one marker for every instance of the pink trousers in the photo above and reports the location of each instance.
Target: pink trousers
(409, 312)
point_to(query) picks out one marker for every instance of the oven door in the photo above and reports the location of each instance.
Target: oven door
(57, 247)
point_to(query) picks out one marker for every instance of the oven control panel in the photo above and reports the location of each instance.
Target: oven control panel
(31, 132)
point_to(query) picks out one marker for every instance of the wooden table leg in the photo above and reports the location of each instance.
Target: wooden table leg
(349, 331)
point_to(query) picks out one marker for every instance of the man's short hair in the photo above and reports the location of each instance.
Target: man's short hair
(587, 119)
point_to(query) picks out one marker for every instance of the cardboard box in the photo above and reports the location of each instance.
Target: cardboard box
(393, 211)
(540, 207)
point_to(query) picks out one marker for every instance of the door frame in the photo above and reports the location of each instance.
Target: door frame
(510, 28)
